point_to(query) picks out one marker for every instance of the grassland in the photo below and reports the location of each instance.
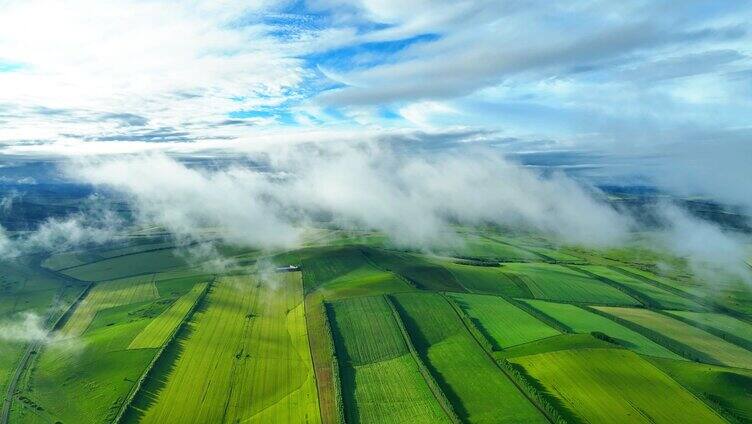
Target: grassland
(656, 296)
(614, 386)
(245, 358)
(582, 321)
(381, 382)
(479, 391)
(724, 353)
(504, 324)
(555, 282)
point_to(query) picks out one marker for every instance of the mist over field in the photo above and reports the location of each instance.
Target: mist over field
(375, 211)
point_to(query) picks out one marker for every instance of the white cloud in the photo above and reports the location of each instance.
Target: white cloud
(410, 197)
(177, 64)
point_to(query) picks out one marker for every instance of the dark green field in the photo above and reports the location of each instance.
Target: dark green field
(503, 328)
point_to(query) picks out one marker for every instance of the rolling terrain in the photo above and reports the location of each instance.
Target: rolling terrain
(506, 328)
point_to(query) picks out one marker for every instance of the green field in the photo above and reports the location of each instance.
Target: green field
(498, 329)
(27, 294)
(554, 282)
(723, 352)
(582, 321)
(614, 386)
(247, 359)
(504, 324)
(719, 322)
(485, 248)
(727, 389)
(345, 271)
(127, 266)
(418, 271)
(159, 330)
(477, 388)
(657, 296)
(108, 295)
(381, 382)
(487, 280)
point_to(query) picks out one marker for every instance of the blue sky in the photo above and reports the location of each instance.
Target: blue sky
(644, 86)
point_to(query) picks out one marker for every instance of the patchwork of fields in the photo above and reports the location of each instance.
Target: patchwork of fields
(500, 328)
(381, 381)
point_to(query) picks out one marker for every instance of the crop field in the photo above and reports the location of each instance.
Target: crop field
(554, 282)
(694, 289)
(347, 272)
(479, 391)
(509, 329)
(484, 248)
(504, 324)
(661, 298)
(420, 272)
(614, 386)
(108, 295)
(381, 382)
(719, 322)
(729, 389)
(720, 350)
(158, 331)
(582, 321)
(247, 359)
(486, 279)
(127, 266)
(84, 373)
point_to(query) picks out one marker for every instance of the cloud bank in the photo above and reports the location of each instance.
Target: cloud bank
(412, 198)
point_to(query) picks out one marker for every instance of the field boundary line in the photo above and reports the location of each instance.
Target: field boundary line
(395, 274)
(744, 344)
(702, 301)
(137, 387)
(24, 361)
(439, 394)
(319, 304)
(675, 346)
(633, 293)
(540, 315)
(535, 398)
(540, 255)
(339, 404)
(721, 411)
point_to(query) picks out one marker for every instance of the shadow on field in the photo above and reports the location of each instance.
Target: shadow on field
(160, 373)
(566, 412)
(478, 325)
(422, 345)
(346, 370)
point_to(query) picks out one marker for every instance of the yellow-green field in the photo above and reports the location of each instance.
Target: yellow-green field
(614, 386)
(722, 351)
(159, 330)
(246, 360)
(108, 295)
